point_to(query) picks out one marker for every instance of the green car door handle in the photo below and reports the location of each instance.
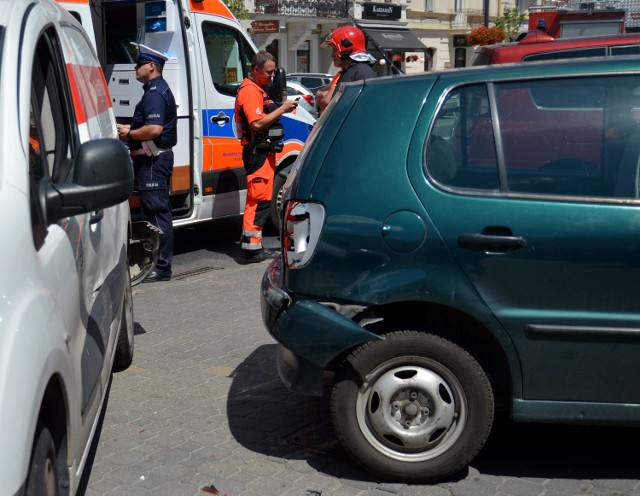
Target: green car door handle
(487, 242)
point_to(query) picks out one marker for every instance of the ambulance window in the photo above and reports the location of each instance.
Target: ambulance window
(228, 55)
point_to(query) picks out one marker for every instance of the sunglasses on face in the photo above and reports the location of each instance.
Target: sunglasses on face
(140, 63)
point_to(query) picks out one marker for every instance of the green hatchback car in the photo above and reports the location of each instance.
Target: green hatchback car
(473, 246)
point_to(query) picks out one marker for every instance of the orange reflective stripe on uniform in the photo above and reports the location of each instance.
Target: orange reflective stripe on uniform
(259, 193)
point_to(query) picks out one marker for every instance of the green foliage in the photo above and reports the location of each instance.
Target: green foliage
(238, 8)
(510, 22)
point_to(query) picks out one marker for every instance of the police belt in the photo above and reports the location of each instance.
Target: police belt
(140, 151)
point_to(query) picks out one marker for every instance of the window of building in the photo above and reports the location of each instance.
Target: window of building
(302, 57)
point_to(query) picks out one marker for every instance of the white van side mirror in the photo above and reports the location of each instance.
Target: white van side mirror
(102, 178)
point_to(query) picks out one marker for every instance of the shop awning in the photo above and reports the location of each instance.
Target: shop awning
(401, 40)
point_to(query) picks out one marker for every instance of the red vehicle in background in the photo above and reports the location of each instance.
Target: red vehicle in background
(570, 19)
(538, 45)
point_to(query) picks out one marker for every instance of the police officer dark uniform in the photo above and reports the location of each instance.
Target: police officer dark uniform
(151, 136)
(256, 118)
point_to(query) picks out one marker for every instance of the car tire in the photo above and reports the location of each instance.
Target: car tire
(44, 468)
(412, 407)
(124, 344)
(276, 202)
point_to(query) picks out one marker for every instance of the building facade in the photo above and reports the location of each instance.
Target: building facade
(409, 35)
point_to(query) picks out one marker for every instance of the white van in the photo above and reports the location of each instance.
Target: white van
(66, 316)
(209, 56)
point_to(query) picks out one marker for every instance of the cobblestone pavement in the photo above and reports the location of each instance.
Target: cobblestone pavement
(202, 411)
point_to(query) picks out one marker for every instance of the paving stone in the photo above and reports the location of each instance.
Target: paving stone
(513, 487)
(415, 490)
(203, 404)
(470, 487)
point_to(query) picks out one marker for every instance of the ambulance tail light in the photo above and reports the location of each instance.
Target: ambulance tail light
(301, 231)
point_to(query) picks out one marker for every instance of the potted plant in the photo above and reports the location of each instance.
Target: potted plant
(486, 36)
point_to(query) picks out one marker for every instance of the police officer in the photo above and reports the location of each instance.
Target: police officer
(151, 136)
(256, 116)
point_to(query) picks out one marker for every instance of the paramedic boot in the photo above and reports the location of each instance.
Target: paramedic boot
(259, 255)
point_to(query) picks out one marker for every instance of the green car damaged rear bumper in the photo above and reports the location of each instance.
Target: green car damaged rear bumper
(310, 335)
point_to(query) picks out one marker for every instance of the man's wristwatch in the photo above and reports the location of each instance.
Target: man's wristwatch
(129, 134)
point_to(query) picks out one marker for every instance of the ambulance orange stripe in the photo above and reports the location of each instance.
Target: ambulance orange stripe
(181, 179)
(289, 147)
(214, 7)
(226, 153)
(207, 154)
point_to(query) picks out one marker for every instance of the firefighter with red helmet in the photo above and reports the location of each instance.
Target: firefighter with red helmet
(350, 55)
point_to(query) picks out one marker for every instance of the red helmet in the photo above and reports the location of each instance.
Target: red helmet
(347, 40)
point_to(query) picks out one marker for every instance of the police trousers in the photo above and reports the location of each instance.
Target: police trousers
(152, 178)
(260, 168)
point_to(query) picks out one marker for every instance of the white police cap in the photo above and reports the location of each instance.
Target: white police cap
(147, 53)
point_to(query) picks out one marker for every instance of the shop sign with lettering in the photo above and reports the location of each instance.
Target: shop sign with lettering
(265, 26)
(381, 11)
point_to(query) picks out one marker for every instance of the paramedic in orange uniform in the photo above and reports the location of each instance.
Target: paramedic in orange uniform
(255, 113)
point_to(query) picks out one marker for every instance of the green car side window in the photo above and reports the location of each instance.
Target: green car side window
(568, 137)
(573, 138)
(461, 151)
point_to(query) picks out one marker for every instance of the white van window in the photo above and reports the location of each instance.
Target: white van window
(228, 56)
(54, 122)
(50, 126)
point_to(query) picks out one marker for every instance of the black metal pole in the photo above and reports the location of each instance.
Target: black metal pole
(485, 6)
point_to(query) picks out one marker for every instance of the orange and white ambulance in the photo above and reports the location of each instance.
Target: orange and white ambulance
(209, 56)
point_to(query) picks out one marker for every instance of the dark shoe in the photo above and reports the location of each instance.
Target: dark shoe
(259, 255)
(156, 276)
